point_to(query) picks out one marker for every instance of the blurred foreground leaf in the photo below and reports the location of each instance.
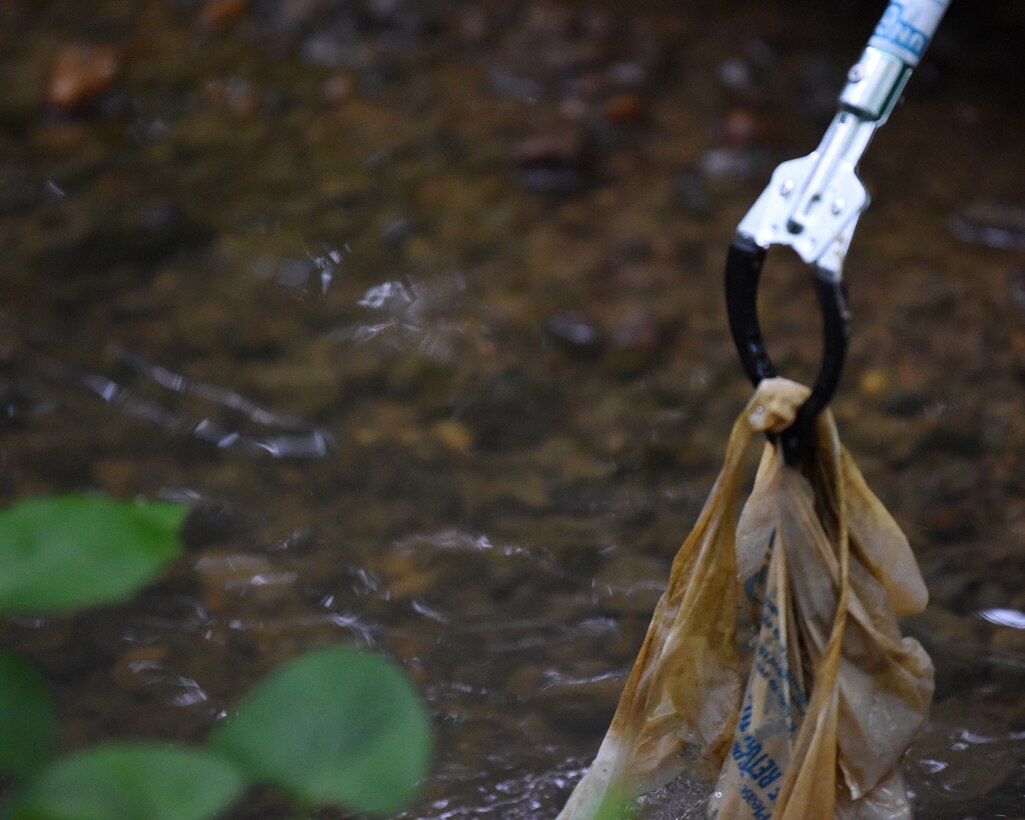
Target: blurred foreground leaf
(616, 806)
(338, 727)
(27, 715)
(131, 782)
(60, 554)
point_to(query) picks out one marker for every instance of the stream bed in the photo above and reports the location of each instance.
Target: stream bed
(419, 305)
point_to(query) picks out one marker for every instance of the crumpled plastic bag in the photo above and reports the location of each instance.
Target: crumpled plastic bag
(815, 723)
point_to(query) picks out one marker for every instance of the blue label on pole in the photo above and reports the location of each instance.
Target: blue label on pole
(896, 29)
(906, 28)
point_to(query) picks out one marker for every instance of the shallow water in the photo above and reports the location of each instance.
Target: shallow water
(419, 305)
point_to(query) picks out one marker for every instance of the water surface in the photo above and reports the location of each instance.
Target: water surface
(419, 305)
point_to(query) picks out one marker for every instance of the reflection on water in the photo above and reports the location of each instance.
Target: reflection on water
(419, 316)
(419, 307)
(302, 440)
(1001, 616)
(967, 763)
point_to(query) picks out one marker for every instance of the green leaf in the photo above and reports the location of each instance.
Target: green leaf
(338, 727)
(69, 552)
(131, 781)
(27, 715)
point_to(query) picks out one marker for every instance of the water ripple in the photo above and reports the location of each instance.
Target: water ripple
(286, 436)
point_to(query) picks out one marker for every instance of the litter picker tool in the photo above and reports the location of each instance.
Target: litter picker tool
(812, 720)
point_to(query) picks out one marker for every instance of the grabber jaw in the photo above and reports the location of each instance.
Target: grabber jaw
(743, 268)
(816, 218)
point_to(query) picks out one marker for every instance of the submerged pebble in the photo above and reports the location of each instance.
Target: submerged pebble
(692, 194)
(625, 109)
(995, 224)
(555, 162)
(1016, 286)
(635, 343)
(743, 127)
(213, 521)
(222, 14)
(735, 162)
(80, 74)
(640, 334)
(575, 331)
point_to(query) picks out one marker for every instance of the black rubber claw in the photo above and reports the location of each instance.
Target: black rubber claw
(743, 267)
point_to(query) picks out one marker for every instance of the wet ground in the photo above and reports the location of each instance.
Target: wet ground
(419, 304)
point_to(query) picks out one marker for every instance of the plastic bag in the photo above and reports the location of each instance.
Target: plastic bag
(815, 723)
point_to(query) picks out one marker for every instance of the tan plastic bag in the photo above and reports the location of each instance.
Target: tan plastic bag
(833, 693)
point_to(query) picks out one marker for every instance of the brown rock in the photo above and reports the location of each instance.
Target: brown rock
(222, 14)
(453, 434)
(640, 332)
(637, 340)
(80, 74)
(625, 109)
(234, 95)
(874, 382)
(558, 161)
(339, 87)
(742, 128)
